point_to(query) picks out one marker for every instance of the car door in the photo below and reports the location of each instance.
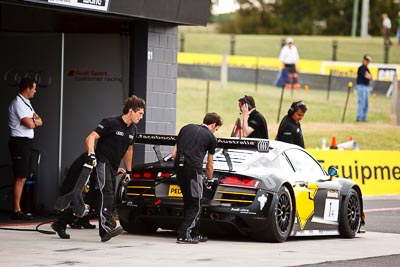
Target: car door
(317, 198)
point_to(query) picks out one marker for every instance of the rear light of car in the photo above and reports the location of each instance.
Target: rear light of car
(164, 175)
(150, 175)
(143, 175)
(239, 182)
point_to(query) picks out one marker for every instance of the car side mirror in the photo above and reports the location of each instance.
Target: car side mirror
(333, 172)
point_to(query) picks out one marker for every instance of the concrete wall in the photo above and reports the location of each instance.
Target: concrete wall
(162, 71)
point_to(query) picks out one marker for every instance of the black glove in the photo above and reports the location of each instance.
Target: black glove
(91, 159)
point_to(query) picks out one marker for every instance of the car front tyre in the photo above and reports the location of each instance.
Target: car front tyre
(281, 222)
(350, 215)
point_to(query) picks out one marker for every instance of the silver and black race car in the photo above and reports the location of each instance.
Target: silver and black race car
(264, 189)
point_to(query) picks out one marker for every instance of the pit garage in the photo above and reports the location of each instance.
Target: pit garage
(87, 56)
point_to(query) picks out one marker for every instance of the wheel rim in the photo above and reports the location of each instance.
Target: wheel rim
(284, 212)
(353, 213)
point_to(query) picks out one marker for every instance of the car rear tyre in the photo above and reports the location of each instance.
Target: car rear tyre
(350, 215)
(281, 222)
(137, 226)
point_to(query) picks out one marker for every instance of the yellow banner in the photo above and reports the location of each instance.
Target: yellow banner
(376, 172)
(383, 72)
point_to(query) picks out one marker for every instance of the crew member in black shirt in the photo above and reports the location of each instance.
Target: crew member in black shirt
(253, 122)
(290, 129)
(115, 137)
(192, 144)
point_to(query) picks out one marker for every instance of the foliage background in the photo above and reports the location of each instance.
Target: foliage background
(305, 17)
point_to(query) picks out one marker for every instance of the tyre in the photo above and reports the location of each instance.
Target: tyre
(281, 222)
(350, 215)
(137, 226)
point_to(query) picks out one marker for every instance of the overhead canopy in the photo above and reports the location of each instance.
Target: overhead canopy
(186, 12)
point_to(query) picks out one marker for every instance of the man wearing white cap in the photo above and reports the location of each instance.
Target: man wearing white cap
(289, 57)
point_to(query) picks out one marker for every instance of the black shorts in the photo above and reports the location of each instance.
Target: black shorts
(21, 151)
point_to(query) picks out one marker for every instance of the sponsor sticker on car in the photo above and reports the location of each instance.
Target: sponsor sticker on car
(174, 191)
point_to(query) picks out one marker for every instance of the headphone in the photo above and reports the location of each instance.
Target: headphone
(243, 100)
(294, 107)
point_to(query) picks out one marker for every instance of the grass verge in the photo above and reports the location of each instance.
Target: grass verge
(322, 120)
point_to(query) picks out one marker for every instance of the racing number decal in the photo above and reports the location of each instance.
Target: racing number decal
(331, 212)
(305, 202)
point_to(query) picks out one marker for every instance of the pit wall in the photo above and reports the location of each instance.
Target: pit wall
(376, 172)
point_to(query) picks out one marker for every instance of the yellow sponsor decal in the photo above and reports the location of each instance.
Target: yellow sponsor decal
(376, 172)
(305, 202)
(174, 191)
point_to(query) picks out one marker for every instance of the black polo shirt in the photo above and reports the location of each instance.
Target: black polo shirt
(361, 75)
(194, 141)
(259, 124)
(290, 132)
(115, 138)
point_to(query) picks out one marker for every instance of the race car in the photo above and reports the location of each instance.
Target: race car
(263, 189)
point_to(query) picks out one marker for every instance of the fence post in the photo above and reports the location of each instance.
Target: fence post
(334, 49)
(182, 43)
(349, 86)
(386, 53)
(232, 44)
(224, 72)
(257, 72)
(207, 95)
(396, 98)
(280, 103)
(283, 42)
(329, 85)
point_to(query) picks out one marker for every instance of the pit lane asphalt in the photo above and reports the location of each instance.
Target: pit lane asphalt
(379, 247)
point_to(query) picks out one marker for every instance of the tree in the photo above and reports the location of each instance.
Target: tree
(328, 17)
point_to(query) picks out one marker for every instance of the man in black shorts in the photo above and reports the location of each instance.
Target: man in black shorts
(115, 137)
(253, 122)
(22, 121)
(192, 144)
(290, 129)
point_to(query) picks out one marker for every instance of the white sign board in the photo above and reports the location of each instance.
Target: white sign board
(101, 5)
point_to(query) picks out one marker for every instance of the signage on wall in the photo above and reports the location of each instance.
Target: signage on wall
(13, 76)
(101, 5)
(92, 76)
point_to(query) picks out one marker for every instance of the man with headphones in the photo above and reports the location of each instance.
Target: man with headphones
(290, 129)
(253, 123)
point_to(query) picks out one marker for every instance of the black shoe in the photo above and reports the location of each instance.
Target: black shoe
(183, 240)
(201, 238)
(19, 215)
(60, 230)
(87, 225)
(114, 232)
(75, 225)
(82, 223)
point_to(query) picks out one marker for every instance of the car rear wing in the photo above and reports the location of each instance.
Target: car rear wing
(156, 139)
(260, 145)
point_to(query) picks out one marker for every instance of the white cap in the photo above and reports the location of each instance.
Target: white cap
(289, 40)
